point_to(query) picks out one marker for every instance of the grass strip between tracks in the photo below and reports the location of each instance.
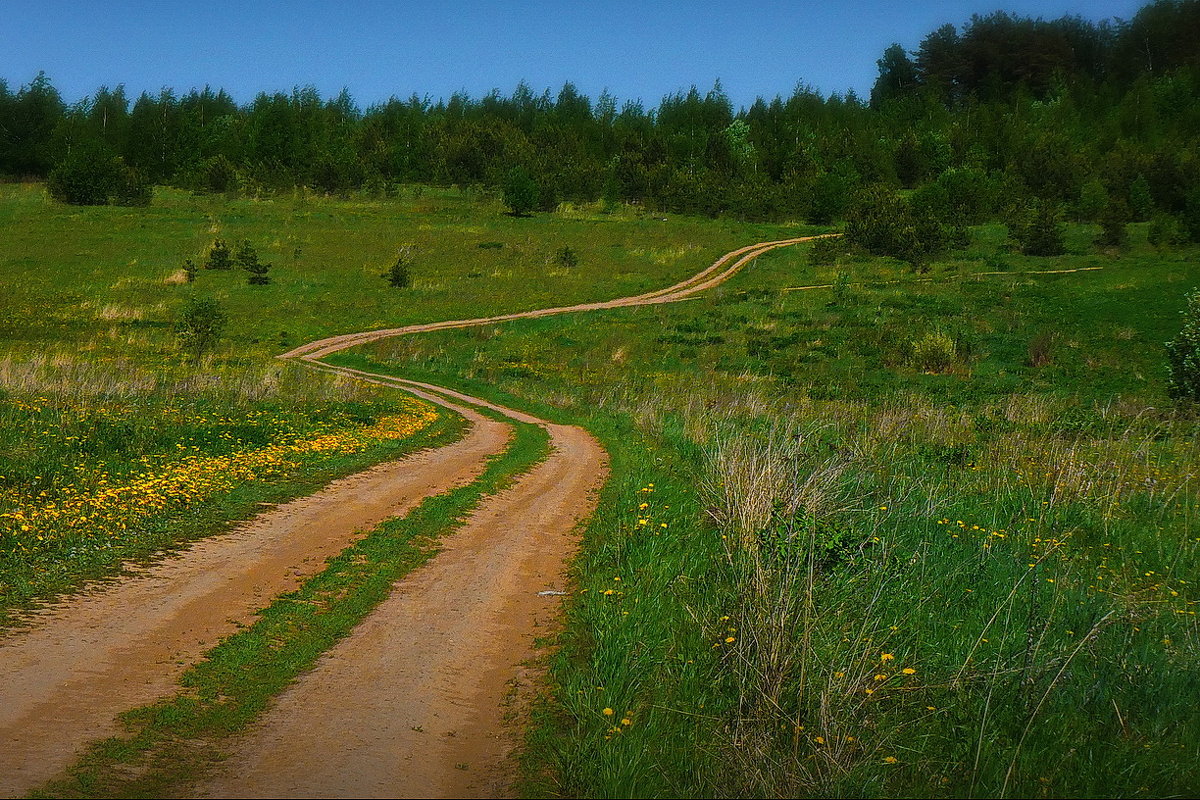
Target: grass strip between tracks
(171, 743)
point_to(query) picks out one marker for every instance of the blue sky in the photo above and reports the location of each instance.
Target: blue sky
(376, 49)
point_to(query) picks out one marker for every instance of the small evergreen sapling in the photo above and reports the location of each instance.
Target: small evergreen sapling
(218, 256)
(398, 275)
(566, 258)
(189, 270)
(247, 259)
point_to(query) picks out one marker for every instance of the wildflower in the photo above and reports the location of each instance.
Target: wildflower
(729, 639)
(887, 657)
(626, 721)
(909, 671)
(889, 760)
(608, 712)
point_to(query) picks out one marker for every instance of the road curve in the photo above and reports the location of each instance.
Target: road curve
(82, 662)
(409, 705)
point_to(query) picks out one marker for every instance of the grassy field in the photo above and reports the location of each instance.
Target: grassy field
(902, 534)
(101, 406)
(925, 535)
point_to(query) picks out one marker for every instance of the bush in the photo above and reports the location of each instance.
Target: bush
(1113, 232)
(936, 352)
(825, 252)
(520, 192)
(1165, 231)
(398, 275)
(1037, 230)
(89, 176)
(566, 258)
(218, 256)
(1141, 202)
(189, 270)
(1093, 199)
(133, 188)
(883, 224)
(218, 174)
(1183, 355)
(200, 325)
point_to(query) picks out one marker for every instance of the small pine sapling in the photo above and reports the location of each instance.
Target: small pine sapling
(566, 258)
(189, 270)
(398, 275)
(247, 259)
(218, 256)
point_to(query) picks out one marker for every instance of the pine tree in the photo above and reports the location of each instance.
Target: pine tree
(189, 270)
(218, 256)
(398, 275)
(247, 259)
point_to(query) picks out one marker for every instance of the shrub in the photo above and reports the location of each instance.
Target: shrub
(1113, 232)
(883, 224)
(1037, 230)
(189, 270)
(1164, 231)
(520, 192)
(825, 252)
(247, 259)
(1093, 199)
(132, 188)
(88, 176)
(398, 275)
(218, 174)
(936, 352)
(1183, 354)
(567, 258)
(1141, 203)
(218, 256)
(200, 325)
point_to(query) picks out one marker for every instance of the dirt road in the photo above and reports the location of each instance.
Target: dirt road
(408, 705)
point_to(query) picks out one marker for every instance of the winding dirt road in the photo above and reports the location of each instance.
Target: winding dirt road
(407, 705)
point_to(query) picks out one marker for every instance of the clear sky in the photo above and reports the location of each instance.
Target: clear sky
(377, 49)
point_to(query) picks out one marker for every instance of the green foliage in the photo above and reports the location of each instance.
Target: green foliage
(399, 274)
(825, 252)
(88, 176)
(189, 270)
(219, 256)
(1093, 200)
(934, 352)
(199, 326)
(1113, 221)
(567, 258)
(1037, 229)
(218, 174)
(520, 192)
(884, 224)
(1165, 231)
(247, 259)
(830, 198)
(1141, 202)
(1183, 354)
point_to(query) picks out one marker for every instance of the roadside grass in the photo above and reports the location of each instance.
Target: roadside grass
(876, 578)
(103, 465)
(170, 745)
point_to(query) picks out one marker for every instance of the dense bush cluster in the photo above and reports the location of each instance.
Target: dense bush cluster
(995, 113)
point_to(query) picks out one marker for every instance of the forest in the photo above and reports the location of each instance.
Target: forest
(1089, 117)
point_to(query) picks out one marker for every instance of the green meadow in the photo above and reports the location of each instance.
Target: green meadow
(869, 531)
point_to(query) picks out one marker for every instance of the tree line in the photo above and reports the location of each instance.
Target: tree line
(1087, 116)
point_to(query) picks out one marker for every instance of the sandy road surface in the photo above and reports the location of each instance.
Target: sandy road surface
(122, 645)
(411, 703)
(403, 703)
